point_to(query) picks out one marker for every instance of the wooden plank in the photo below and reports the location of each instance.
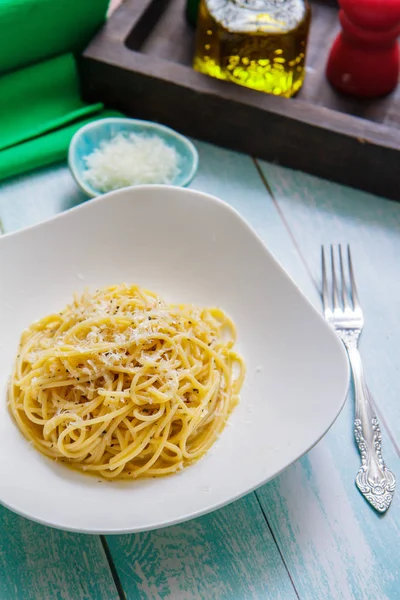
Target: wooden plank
(35, 197)
(228, 554)
(142, 71)
(334, 544)
(38, 562)
(233, 177)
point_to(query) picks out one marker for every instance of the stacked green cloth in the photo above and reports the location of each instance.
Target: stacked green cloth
(40, 104)
(34, 30)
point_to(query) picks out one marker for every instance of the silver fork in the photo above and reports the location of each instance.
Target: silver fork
(343, 312)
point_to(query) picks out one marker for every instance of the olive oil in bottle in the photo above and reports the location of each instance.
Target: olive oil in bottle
(260, 44)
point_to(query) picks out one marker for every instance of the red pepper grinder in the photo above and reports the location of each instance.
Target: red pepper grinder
(364, 59)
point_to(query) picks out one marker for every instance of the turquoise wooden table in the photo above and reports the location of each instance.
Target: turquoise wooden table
(307, 534)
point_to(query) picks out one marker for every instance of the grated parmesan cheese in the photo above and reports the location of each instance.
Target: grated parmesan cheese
(132, 159)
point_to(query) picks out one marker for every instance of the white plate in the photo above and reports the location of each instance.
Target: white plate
(189, 247)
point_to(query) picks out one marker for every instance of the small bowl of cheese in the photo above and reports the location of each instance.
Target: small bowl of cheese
(113, 153)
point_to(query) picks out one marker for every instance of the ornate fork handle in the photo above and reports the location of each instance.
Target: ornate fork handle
(374, 480)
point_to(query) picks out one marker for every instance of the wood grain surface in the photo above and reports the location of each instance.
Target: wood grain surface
(40, 563)
(227, 554)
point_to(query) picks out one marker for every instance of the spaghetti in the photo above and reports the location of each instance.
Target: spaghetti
(123, 385)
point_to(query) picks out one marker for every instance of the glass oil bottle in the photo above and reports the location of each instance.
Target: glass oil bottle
(260, 44)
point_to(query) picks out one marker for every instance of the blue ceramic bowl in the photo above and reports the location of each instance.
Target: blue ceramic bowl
(89, 137)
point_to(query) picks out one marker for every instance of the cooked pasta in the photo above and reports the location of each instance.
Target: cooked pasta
(122, 385)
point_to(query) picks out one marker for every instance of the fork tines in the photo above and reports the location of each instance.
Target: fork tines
(344, 292)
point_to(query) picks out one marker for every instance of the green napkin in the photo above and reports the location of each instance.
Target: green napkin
(33, 30)
(44, 150)
(40, 104)
(40, 98)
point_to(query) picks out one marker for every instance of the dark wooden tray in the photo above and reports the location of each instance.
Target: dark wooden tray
(140, 63)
